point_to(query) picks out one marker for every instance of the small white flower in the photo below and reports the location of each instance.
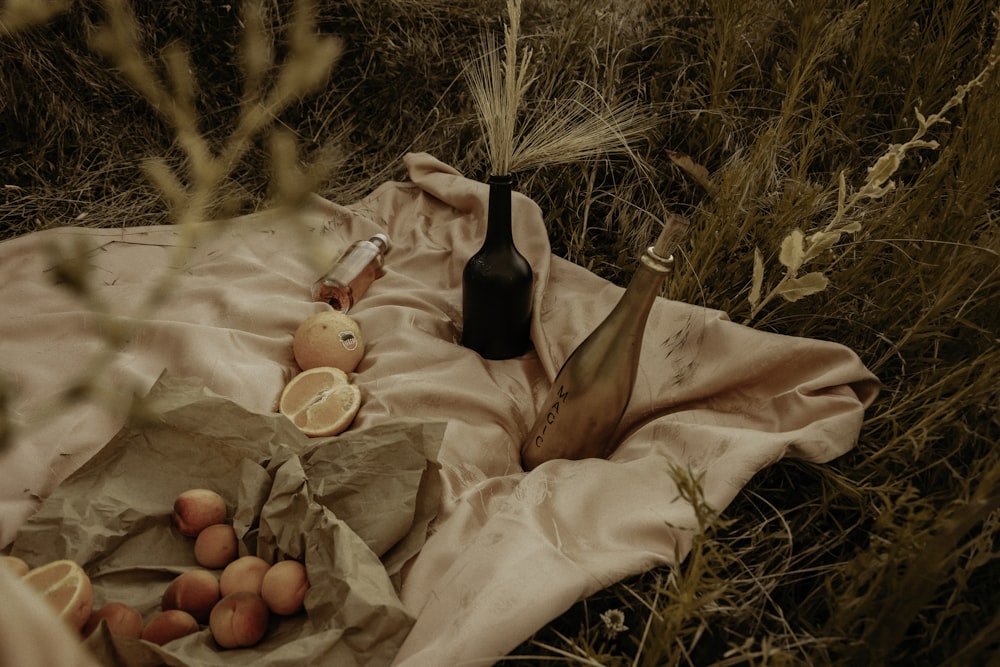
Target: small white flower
(614, 621)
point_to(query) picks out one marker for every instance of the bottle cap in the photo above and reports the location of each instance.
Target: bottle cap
(382, 240)
(674, 228)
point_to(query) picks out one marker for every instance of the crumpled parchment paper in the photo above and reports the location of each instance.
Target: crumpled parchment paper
(354, 508)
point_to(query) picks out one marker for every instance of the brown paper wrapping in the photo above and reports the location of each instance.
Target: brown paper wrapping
(354, 508)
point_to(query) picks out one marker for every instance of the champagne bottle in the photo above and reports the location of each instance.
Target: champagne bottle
(496, 285)
(589, 395)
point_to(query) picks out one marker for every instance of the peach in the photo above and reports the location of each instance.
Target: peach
(239, 620)
(194, 591)
(243, 574)
(196, 509)
(168, 626)
(284, 587)
(16, 565)
(123, 620)
(216, 546)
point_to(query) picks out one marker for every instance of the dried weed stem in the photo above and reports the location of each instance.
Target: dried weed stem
(799, 248)
(308, 65)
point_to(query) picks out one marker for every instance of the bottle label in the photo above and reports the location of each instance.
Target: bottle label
(552, 415)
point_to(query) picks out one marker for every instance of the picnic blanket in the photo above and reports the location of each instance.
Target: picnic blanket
(507, 550)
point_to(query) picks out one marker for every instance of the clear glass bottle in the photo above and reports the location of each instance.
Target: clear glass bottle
(589, 395)
(497, 284)
(353, 273)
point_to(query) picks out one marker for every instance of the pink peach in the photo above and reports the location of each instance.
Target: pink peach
(196, 509)
(122, 620)
(194, 591)
(216, 546)
(168, 626)
(284, 587)
(239, 620)
(243, 574)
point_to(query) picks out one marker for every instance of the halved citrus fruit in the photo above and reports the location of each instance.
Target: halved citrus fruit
(66, 587)
(320, 401)
(15, 565)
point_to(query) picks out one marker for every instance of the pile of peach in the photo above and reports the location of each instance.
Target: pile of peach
(236, 604)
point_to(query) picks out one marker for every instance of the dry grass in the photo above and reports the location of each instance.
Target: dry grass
(769, 116)
(576, 126)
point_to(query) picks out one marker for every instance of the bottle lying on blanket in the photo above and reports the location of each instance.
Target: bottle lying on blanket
(589, 394)
(353, 273)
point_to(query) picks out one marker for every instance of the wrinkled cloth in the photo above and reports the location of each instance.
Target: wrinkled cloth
(509, 550)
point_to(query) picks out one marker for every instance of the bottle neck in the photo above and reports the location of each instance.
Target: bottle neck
(645, 285)
(498, 217)
(381, 243)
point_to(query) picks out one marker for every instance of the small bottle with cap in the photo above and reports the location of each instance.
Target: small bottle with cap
(353, 273)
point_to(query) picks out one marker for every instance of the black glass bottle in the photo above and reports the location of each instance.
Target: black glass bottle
(497, 284)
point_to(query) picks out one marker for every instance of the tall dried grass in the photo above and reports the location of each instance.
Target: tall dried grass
(769, 116)
(576, 127)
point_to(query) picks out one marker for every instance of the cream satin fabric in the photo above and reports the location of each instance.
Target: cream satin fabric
(509, 551)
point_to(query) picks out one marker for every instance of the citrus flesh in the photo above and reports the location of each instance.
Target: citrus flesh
(14, 564)
(328, 339)
(66, 587)
(320, 401)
